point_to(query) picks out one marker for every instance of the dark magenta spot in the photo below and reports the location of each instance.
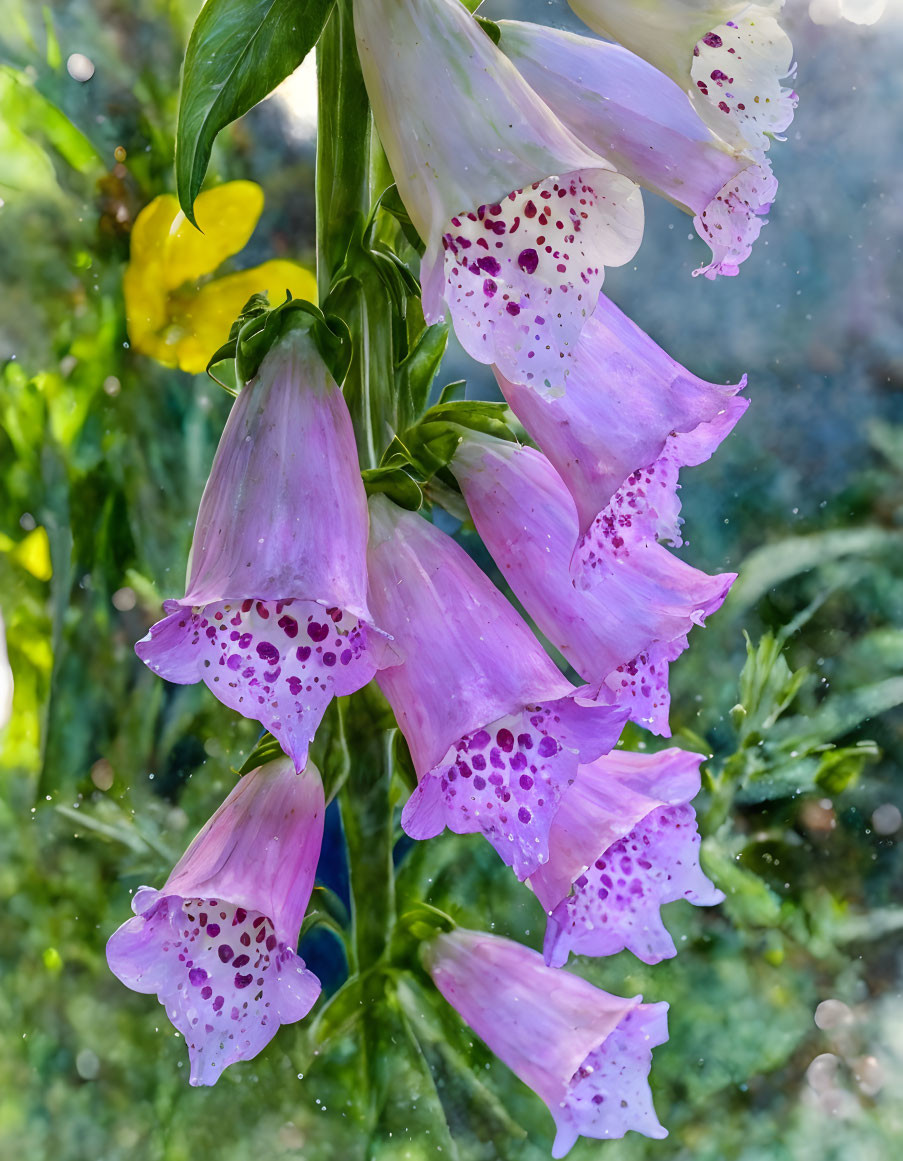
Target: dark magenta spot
(289, 626)
(225, 952)
(528, 260)
(505, 740)
(197, 976)
(317, 632)
(241, 960)
(512, 308)
(547, 747)
(524, 815)
(268, 652)
(243, 981)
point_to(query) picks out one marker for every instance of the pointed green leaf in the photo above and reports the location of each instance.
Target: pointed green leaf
(239, 51)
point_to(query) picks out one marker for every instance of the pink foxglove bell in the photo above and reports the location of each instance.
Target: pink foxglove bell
(620, 105)
(217, 944)
(584, 1052)
(275, 619)
(518, 217)
(729, 55)
(496, 733)
(628, 406)
(631, 618)
(623, 843)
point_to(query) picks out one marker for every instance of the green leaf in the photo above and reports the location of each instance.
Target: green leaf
(395, 483)
(491, 29)
(414, 375)
(749, 901)
(839, 769)
(268, 749)
(770, 566)
(239, 51)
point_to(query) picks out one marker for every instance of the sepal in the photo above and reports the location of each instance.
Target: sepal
(260, 327)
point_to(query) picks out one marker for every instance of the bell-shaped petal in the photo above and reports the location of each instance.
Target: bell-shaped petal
(623, 844)
(584, 1052)
(518, 217)
(496, 733)
(730, 56)
(275, 618)
(623, 107)
(217, 944)
(628, 622)
(625, 399)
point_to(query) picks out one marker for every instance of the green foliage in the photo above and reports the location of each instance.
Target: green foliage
(106, 773)
(239, 51)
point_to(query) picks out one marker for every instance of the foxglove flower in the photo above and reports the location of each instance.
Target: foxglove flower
(584, 1052)
(729, 55)
(218, 943)
(518, 217)
(630, 621)
(275, 619)
(623, 843)
(628, 406)
(642, 121)
(496, 733)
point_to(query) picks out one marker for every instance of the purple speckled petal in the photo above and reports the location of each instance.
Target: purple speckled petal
(631, 615)
(616, 901)
(225, 980)
(506, 780)
(733, 219)
(729, 55)
(493, 256)
(646, 507)
(217, 943)
(623, 107)
(625, 399)
(524, 275)
(469, 658)
(736, 74)
(278, 662)
(609, 1094)
(570, 1042)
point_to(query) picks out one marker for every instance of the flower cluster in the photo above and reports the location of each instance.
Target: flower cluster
(523, 184)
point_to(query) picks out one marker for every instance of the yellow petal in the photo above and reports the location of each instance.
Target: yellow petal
(227, 215)
(33, 553)
(143, 282)
(208, 318)
(151, 230)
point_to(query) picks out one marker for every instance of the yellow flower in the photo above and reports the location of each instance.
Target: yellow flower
(175, 313)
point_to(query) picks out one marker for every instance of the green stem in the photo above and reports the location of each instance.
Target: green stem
(343, 143)
(351, 175)
(348, 183)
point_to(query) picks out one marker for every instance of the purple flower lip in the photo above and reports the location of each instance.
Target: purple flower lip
(228, 918)
(592, 1072)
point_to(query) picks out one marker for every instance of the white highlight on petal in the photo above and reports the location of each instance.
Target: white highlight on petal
(736, 77)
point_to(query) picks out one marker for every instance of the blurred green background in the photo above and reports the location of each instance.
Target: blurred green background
(786, 1010)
